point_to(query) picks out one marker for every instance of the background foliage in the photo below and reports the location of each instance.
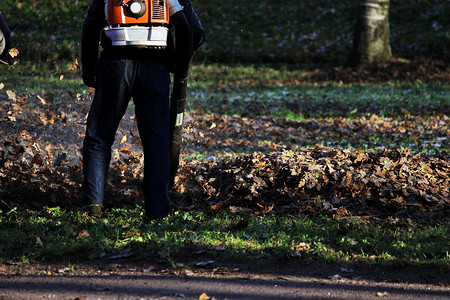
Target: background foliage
(259, 31)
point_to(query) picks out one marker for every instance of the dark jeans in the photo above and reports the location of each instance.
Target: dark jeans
(117, 82)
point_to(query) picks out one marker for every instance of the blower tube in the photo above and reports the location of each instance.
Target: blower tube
(177, 106)
(189, 36)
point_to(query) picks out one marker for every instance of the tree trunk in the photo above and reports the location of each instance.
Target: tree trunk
(371, 37)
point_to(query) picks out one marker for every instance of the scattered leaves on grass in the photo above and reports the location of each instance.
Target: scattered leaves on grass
(236, 134)
(259, 163)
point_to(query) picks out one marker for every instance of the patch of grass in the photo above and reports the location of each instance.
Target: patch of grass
(29, 235)
(269, 91)
(392, 114)
(39, 78)
(411, 114)
(52, 82)
(257, 90)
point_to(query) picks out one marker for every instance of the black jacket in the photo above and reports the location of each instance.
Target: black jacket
(198, 34)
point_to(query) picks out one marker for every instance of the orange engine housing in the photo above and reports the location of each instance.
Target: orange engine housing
(141, 23)
(123, 12)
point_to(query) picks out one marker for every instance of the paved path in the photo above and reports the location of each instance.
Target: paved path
(192, 286)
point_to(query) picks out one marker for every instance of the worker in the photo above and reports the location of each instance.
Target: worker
(134, 66)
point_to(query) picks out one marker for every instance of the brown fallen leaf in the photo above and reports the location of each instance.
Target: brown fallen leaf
(11, 95)
(204, 296)
(84, 233)
(13, 52)
(73, 65)
(43, 101)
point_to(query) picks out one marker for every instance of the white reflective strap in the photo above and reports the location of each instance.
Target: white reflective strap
(174, 7)
(179, 120)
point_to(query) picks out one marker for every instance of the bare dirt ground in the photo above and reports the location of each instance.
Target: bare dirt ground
(144, 278)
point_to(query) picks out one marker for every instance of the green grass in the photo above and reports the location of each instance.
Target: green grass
(312, 101)
(221, 89)
(38, 78)
(258, 90)
(266, 91)
(51, 233)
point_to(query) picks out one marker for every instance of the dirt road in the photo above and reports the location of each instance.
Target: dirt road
(222, 281)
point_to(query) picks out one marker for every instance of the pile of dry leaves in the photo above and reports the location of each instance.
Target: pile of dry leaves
(338, 182)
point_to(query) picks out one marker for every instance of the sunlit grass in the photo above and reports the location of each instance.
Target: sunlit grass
(30, 79)
(54, 232)
(214, 88)
(219, 93)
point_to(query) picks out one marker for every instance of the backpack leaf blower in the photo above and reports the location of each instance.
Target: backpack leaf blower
(139, 22)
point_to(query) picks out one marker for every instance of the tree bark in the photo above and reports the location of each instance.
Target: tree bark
(371, 37)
